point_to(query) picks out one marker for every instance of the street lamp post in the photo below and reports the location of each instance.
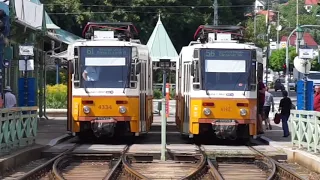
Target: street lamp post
(300, 32)
(165, 66)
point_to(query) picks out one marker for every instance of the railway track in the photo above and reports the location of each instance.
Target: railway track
(136, 166)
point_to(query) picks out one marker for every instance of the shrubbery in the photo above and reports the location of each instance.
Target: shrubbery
(56, 96)
(157, 94)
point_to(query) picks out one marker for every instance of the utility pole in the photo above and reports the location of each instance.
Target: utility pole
(268, 43)
(215, 14)
(297, 24)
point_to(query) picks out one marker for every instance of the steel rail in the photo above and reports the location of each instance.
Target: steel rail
(201, 168)
(62, 161)
(40, 171)
(116, 169)
(129, 171)
(278, 168)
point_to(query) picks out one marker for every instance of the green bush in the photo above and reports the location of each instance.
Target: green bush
(157, 94)
(56, 96)
(271, 85)
(172, 93)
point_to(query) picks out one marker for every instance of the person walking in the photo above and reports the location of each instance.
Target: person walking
(285, 108)
(9, 98)
(261, 96)
(316, 100)
(268, 105)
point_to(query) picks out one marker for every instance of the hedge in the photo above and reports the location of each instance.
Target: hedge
(56, 96)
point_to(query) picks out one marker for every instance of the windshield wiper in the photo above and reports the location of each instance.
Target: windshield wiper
(244, 90)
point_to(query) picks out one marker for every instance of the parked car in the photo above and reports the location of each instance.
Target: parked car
(278, 85)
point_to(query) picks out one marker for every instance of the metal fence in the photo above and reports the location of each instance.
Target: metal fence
(18, 128)
(305, 129)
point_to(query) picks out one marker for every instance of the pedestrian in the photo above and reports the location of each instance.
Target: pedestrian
(9, 98)
(261, 96)
(268, 105)
(316, 100)
(284, 108)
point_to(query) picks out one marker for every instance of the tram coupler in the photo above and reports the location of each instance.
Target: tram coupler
(225, 129)
(103, 127)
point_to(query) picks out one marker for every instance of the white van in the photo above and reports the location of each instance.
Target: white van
(315, 77)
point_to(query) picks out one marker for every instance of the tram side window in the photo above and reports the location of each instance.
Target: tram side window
(253, 77)
(260, 71)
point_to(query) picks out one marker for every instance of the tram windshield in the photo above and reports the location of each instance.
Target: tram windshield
(104, 67)
(226, 69)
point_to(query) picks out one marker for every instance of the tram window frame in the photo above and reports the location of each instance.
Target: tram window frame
(76, 73)
(195, 69)
(253, 74)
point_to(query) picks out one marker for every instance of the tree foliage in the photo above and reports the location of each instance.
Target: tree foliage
(278, 59)
(180, 22)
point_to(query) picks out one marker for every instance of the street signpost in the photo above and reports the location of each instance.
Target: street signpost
(27, 92)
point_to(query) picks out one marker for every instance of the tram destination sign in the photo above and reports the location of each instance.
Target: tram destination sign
(225, 54)
(105, 51)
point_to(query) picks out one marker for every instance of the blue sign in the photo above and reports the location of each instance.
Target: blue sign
(105, 51)
(226, 54)
(301, 100)
(30, 99)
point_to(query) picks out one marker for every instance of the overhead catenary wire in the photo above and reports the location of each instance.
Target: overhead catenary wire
(166, 6)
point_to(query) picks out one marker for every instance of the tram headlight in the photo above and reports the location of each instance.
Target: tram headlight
(243, 112)
(86, 109)
(122, 109)
(206, 111)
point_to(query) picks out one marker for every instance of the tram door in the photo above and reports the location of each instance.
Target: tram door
(142, 98)
(186, 90)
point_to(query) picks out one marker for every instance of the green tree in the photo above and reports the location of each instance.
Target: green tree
(315, 66)
(180, 22)
(278, 58)
(261, 30)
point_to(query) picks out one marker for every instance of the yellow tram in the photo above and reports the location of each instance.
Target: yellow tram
(110, 82)
(217, 89)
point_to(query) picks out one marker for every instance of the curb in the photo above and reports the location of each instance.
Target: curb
(303, 158)
(28, 154)
(59, 139)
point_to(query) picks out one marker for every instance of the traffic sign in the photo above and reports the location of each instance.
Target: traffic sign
(283, 44)
(26, 50)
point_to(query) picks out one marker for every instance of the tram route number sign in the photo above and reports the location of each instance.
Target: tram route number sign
(226, 109)
(105, 107)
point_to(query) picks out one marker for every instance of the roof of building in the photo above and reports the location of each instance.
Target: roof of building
(160, 44)
(308, 40)
(58, 33)
(311, 2)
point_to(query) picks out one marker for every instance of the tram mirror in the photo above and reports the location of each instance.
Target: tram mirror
(192, 69)
(138, 68)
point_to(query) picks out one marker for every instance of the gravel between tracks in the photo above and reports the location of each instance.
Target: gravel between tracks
(164, 170)
(19, 172)
(237, 171)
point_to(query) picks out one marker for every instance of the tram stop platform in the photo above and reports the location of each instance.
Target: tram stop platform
(49, 133)
(302, 157)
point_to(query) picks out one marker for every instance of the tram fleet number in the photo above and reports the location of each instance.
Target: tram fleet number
(105, 107)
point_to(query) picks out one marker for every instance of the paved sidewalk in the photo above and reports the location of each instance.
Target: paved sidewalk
(51, 129)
